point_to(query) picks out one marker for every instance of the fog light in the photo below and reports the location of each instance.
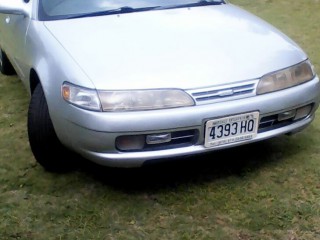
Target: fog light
(129, 143)
(158, 138)
(286, 115)
(303, 112)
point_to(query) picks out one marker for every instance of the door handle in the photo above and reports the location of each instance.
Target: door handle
(8, 19)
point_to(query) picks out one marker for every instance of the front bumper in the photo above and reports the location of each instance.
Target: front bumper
(93, 134)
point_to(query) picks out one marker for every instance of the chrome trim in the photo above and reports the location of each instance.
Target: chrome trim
(224, 92)
(158, 138)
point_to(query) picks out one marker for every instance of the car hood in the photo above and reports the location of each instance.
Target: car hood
(177, 48)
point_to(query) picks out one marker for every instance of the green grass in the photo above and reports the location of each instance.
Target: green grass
(269, 190)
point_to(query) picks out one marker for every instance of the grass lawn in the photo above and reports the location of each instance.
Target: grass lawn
(268, 190)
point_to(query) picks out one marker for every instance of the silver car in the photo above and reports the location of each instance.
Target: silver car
(123, 82)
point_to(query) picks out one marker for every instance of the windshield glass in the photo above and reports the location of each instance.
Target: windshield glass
(62, 9)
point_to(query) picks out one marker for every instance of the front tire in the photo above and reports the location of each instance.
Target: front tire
(45, 145)
(5, 65)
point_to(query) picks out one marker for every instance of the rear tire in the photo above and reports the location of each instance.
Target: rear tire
(5, 65)
(45, 145)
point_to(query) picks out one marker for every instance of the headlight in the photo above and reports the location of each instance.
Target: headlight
(144, 99)
(81, 97)
(286, 78)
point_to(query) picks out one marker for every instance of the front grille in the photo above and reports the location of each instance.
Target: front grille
(224, 93)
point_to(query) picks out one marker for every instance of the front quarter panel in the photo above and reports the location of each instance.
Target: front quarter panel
(53, 66)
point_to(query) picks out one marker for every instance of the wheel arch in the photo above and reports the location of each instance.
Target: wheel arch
(6, 67)
(34, 80)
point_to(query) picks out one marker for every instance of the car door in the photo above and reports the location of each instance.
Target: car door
(13, 30)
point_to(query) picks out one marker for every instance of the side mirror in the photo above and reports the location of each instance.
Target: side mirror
(16, 7)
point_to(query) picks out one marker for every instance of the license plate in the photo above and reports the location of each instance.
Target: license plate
(228, 130)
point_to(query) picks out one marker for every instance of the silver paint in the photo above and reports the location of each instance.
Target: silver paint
(211, 47)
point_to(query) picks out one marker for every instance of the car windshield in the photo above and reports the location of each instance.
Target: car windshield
(63, 9)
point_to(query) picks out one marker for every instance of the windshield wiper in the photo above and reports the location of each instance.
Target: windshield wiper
(121, 10)
(127, 9)
(195, 4)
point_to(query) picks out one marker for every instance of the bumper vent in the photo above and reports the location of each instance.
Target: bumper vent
(140, 143)
(178, 139)
(279, 120)
(271, 123)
